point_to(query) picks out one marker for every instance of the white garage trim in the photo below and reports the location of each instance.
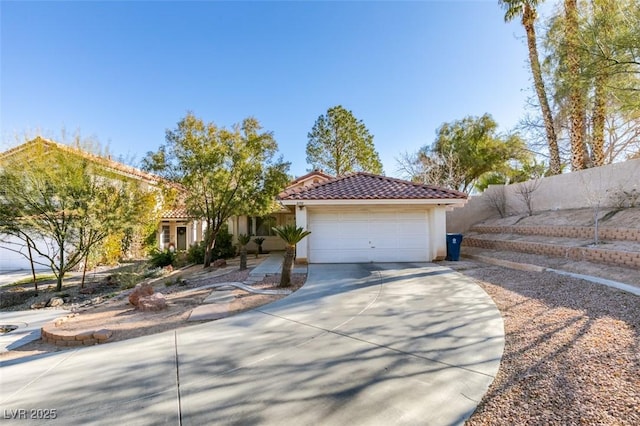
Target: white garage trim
(356, 236)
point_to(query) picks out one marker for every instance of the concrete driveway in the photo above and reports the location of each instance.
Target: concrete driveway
(359, 344)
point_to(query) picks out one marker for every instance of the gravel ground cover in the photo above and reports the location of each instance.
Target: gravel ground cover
(572, 354)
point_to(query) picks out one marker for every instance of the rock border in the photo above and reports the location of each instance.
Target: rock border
(49, 334)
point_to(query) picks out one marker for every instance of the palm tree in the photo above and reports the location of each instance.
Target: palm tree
(526, 10)
(291, 235)
(243, 240)
(576, 96)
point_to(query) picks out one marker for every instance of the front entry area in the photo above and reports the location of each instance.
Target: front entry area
(182, 237)
(368, 236)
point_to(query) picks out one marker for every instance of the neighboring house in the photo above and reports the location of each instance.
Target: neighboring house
(369, 218)
(12, 260)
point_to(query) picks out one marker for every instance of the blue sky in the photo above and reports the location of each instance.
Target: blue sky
(124, 72)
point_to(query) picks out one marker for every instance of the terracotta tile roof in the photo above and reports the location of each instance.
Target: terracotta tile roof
(366, 186)
(319, 173)
(178, 213)
(108, 163)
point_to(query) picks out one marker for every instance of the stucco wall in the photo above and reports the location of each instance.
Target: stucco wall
(583, 189)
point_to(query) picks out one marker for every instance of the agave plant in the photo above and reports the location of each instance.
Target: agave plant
(291, 235)
(243, 240)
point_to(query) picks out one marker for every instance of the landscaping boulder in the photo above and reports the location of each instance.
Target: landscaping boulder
(219, 263)
(38, 305)
(55, 301)
(141, 290)
(155, 302)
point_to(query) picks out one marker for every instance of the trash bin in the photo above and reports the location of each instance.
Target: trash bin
(453, 246)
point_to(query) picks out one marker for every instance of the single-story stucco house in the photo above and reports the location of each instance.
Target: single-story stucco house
(364, 217)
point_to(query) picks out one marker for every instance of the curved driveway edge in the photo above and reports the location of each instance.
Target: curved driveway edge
(358, 344)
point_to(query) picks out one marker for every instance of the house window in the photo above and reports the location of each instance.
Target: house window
(264, 226)
(166, 235)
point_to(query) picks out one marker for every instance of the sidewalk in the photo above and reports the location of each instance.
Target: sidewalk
(273, 265)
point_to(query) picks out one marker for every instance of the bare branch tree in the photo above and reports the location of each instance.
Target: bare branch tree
(526, 191)
(495, 197)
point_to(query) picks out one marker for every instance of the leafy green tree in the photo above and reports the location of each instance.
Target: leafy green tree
(526, 10)
(517, 171)
(224, 172)
(466, 149)
(341, 144)
(63, 206)
(291, 235)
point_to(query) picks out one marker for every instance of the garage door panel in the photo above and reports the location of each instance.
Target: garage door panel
(346, 229)
(384, 228)
(414, 243)
(340, 237)
(381, 242)
(354, 244)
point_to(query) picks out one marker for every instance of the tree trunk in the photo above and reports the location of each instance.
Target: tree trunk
(208, 247)
(84, 270)
(597, 121)
(528, 20)
(287, 264)
(59, 282)
(33, 269)
(576, 97)
(243, 257)
(60, 273)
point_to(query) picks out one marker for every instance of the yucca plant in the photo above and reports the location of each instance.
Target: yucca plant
(291, 235)
(243, 240)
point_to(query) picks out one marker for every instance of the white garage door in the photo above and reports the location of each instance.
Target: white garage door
(355, 237)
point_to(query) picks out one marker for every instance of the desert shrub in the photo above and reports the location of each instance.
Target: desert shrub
(224, 248)
(181, 259)
(111, 249)
(195, 254)
(153, 273)
(127, 280)
(160, 259)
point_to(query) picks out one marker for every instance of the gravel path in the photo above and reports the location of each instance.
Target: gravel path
(572, 353)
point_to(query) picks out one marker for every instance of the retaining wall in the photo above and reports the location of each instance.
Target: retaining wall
(583, 189)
